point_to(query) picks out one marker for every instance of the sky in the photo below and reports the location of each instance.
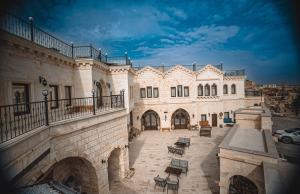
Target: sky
(253, 35)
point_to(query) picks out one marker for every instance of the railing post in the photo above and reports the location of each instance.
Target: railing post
(99, 57)
(91, 52)
(72, 47)
(126, 58)
(194, 66)
(94, 104)
(111, 101)
(45, 94)
(31, 29)
(105, 57)
(123, 100)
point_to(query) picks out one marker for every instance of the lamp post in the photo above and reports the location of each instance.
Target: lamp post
(45, 94)
(94, 106)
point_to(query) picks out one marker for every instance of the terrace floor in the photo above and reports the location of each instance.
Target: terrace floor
(149, 157)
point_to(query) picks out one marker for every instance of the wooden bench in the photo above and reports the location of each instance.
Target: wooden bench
(204, 124)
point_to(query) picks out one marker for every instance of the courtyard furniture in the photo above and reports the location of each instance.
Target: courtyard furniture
(204, 124)
(205, 131)
(173, 185)
(161, 182)
(174, 150)
(182, 164)
(173, 170)
(194, 127)
(183, 141)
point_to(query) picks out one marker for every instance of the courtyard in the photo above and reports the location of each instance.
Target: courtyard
(149, 157)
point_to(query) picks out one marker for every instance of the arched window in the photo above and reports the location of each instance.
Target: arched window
(225, 89)
(200, 90)
(99, 95)
(207, 90)
(214, 90)
(233, 89)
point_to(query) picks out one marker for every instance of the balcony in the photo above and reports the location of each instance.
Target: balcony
(26, 30)
(18, 119)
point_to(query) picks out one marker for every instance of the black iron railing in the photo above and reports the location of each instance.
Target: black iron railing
(27, 30)
(18, 119)
(194, 67)
(234, 72)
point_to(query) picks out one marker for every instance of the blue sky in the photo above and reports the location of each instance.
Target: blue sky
(254, 35)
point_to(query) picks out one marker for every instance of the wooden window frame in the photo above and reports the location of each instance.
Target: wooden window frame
(179, 91)
(186, 94)
(141, 92)
(27, 100)
(173, 88)
(56, 90)
(155, 89)
(149, 92)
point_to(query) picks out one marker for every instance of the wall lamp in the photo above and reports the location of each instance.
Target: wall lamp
(96, 83)
(126, 146)
(193, 115)
(103, 161)
(137, 118)
(43, 81)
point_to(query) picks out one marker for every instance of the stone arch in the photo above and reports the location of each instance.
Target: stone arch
(150, 120)
(233, 89)
(241, 185)
(225, 89)
(180, 119)
(207, 90)
(114, 168)
(200, 90)
(214, 90)
(75, 172)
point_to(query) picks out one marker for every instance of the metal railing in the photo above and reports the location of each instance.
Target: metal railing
(164, 68)
(27, 30)
(18, 119)
(240, 72)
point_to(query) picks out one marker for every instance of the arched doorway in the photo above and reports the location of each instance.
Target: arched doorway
(113, 167)
(99, 95)
(74, 172)
(241, 185)
(180, 119)
(150, 120)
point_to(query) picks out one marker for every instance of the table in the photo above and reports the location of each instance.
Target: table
(205, 131)
(173, 170)
(182, 164)
(183, 141)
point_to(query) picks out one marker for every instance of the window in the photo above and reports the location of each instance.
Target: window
(149, 92)
(203, 117)
(173, 91)
(233, 89)
(214, 90)
(68, 95)
(20, 94)
(207, 90)
(186, 91)
(53, 96)
(225, 89)
(226, 115)
(179, 91)
(143, 93)
(155, 93)
(200, 90)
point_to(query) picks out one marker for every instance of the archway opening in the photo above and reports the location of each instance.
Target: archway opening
(74, 172)
(113, 168)
(180, 119)
(241, 185)
(150, 120)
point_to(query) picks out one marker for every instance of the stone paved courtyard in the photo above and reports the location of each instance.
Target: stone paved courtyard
(149, 157)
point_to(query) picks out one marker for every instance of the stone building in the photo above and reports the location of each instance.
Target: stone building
(65, 110)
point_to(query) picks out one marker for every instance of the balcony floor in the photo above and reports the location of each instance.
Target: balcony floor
(149, 157)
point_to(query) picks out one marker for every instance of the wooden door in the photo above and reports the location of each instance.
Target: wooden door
(214, 120)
